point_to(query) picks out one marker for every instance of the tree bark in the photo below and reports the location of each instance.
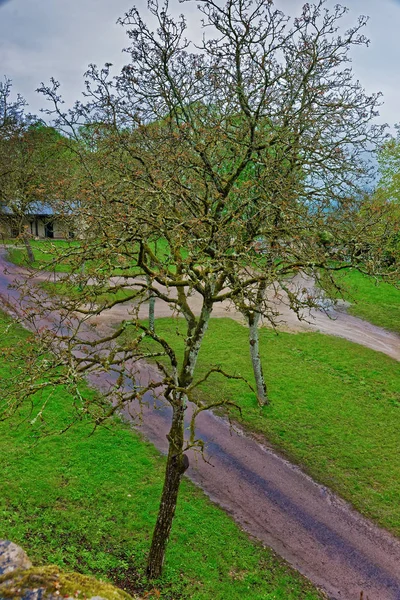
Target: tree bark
(82, 272)
(262, 395)
(152, 302)
(177, 463)
(29, 251)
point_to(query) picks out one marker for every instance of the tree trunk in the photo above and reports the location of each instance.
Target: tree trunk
(82, 273)
(262, 395)
(177, 464)
(29, 251)
(152, 302)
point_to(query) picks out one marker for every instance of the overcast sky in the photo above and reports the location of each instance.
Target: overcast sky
(44, 38)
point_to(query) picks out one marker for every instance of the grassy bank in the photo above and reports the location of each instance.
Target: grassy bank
(48, 254)
(89, 502)
(90, 294)
(60, 256)
(372, 300)
(335, 407)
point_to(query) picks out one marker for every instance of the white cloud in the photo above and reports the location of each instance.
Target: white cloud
(377, 66)
(54, 38)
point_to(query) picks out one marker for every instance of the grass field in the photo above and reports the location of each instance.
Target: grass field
(59, 256)
(88, 503)
(45, 252)
(89, 295)
(335, 407)
(374, 301)
(52, 255)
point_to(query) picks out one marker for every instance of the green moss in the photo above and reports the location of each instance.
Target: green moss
(53, 580)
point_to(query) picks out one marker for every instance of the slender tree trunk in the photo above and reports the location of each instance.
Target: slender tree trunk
(152, 302)
(262, 395)
(28, 246)
(25, 238)
(82, 272)
(177, 464)
(253, 319)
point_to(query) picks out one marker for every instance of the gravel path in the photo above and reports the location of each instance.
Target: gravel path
(332, 321)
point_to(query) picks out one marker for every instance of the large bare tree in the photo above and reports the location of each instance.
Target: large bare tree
(218, 172)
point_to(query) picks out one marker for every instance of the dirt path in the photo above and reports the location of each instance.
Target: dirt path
(276, 502)
(332, 321)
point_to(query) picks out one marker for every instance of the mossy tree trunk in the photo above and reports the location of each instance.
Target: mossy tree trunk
(152, 302)
(177, 461)
(177, 464)
(29, 251)
(27, 242)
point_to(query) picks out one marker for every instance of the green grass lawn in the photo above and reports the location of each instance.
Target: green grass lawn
(335, 407)
(90, 294)
(48, 254)
(374, 301)
(59, 256)
(55, 255)
(89, 502)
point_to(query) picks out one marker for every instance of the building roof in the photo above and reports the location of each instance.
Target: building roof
(36, 209)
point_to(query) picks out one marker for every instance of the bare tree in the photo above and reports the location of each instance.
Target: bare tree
(190, 157)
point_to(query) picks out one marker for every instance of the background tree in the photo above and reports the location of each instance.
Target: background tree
(190, 158)
(13, 124)
(389, 167)
(30, 156)
(388, 193)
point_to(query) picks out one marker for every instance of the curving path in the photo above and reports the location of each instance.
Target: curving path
(334, 320)
(276, 502)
